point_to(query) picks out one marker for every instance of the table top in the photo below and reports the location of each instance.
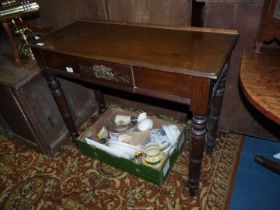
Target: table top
(192, 51)
(260, 82)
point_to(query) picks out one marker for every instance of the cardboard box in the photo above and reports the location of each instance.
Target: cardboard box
(155, 174)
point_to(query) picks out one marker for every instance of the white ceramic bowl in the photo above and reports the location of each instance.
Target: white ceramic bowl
(145, 124)
(152, 149)
(152, 153)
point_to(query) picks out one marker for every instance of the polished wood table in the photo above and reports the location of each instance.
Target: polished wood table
(260, 82)
(184, 65)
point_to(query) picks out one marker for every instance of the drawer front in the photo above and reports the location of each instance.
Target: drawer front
(65, 63)
(106, 74)
(161, 84)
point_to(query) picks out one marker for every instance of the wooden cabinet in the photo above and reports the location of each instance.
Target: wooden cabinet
(269, 28)
(29, 114)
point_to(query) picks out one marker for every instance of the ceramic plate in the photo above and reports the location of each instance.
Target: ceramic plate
(158, 136)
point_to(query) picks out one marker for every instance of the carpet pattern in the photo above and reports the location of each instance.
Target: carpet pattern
(69, 180)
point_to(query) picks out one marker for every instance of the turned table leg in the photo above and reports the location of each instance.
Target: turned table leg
(214, 116)
(198, 132)
(62, 104)
(100, 100)
(199, 108)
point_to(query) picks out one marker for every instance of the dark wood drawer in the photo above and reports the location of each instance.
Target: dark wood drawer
(165, 85)
(107, 74)
(101, 73)
(65, 63)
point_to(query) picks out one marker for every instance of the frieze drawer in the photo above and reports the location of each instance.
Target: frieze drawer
(164, 85)
(107, 74)
(57, 61)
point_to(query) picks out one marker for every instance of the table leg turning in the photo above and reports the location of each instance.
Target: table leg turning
(198, 132)
(100, 100)
(214, 117)
(199, 107)
(62, 104)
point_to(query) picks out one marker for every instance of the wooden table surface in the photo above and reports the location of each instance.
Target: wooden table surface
(260, 82)
(186, 50)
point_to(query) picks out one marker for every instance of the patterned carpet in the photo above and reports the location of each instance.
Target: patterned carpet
(69, 180)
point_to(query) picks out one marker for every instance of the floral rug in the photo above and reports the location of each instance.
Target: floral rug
(70, 180)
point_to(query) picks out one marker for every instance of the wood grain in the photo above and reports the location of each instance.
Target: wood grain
(166, 12)
(167, 49)
(58, 13)
(96, 10)
(260, 82)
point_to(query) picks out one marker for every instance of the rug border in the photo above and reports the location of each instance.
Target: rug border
(235, 170)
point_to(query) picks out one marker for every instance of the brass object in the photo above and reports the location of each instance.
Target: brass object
(23, 46)
(12, 9)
